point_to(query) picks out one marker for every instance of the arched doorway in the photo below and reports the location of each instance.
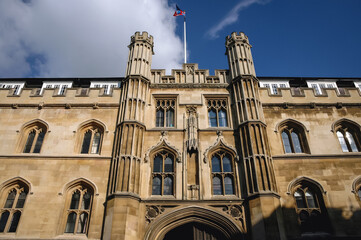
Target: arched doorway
(194, 231)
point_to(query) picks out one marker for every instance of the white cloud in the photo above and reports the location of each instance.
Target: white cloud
(232, 16)
(82, 38)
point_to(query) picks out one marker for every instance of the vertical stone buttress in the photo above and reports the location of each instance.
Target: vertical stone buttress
(260, 185)
(123, 192)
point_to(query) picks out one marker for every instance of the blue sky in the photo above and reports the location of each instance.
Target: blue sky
(89, 38)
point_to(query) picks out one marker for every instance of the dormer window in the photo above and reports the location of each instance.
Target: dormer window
(16, 86)
(320, 86)
(107, 86)
(59, 86)
(274, 85)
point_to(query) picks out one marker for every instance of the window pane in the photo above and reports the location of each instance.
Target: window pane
(39, 142)
(342, 141)
(96, 143)
(222, 115)
(274, 88)
(217, 186)
(160, 118)
(4, 220)
(21, 200)
(227, 165)
(299, 199)
(85, 203)
(286, 143)
(156, 188)
(216, 164)
(351, 141)
(296, 142)
(70, 223)
(168, 186)
(170, 118)
(168, 164)
(359, 193)
(14, 222)
(10, 200)
(86, 142)
(228, 185)
(29, 142)
(158, 164)
(311, 199)
(212, 116)
(75, 200)
(82, 223)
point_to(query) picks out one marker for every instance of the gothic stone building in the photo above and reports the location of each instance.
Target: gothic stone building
(183, 156)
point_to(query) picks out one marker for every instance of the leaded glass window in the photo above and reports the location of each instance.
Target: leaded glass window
(222, 174)
(217, 113)
(92, 138)
(163, 174)
(165, 113)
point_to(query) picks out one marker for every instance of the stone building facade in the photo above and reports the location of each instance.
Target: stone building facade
(182, 156)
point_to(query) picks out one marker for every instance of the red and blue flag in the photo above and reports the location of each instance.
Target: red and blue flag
(179, 12)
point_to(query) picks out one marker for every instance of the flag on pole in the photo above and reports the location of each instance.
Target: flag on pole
(179, 12)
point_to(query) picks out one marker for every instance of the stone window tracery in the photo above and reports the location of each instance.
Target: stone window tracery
(217, 112)
(348, 136)
(91, 140)
(14, 200)
(223, 179)
(293, 138)
(165, 111)
(33, 137)
(163, 175)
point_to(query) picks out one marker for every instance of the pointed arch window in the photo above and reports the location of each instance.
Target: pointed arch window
(14, 201)
(217, 113)
(34, 138)
(91, 138)
(165, 112)
(79, 210)
(223, 178)
(348, 137)
(293, 138)
(163, 176)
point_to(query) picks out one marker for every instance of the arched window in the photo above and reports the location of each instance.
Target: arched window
(348, 134)
(91, 138)
(165, 113)
(33, 139)
(310, 207)
(217, 113)
(163, 174)
(293, 137)
(79, 204)
(14, 200)
(223, 179)
(356, 188)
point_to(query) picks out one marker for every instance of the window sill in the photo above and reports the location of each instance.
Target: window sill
(164, 197)
(225, 197)
(72, 236)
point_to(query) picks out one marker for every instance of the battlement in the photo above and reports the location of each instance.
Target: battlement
(189, 74)
(30, 96)
(308, 95)
(237, 37)
(143, 37)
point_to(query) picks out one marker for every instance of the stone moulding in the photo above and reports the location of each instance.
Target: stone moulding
(296, 181)
(163, 143)
(219, 143)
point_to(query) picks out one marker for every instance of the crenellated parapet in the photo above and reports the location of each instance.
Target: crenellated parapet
(189, 74)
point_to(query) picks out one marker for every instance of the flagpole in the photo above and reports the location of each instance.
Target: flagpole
(185, 41)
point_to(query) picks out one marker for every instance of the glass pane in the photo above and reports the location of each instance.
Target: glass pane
(222, 115)
(228, 185)
(158, 164)
(4, 220)
(351, 141)
(168, 164)
(216, 164)
(10, 200)
(311, 199)
(85, 203)
(274, 88)
(75, 200)
(29, 142)
(39, 142)
(82, 223)
(170, 118)
(168, 186)
(299, 199)
(212, 116)
(286, 143)
(156, 188)
(359, 193)
(296, 142)
(342, 141)
(217, 186)
(86, 142)
(96, 143)
(21, 200)
(15, 222)
(160, 118)
(227, 165)
(70, 223)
